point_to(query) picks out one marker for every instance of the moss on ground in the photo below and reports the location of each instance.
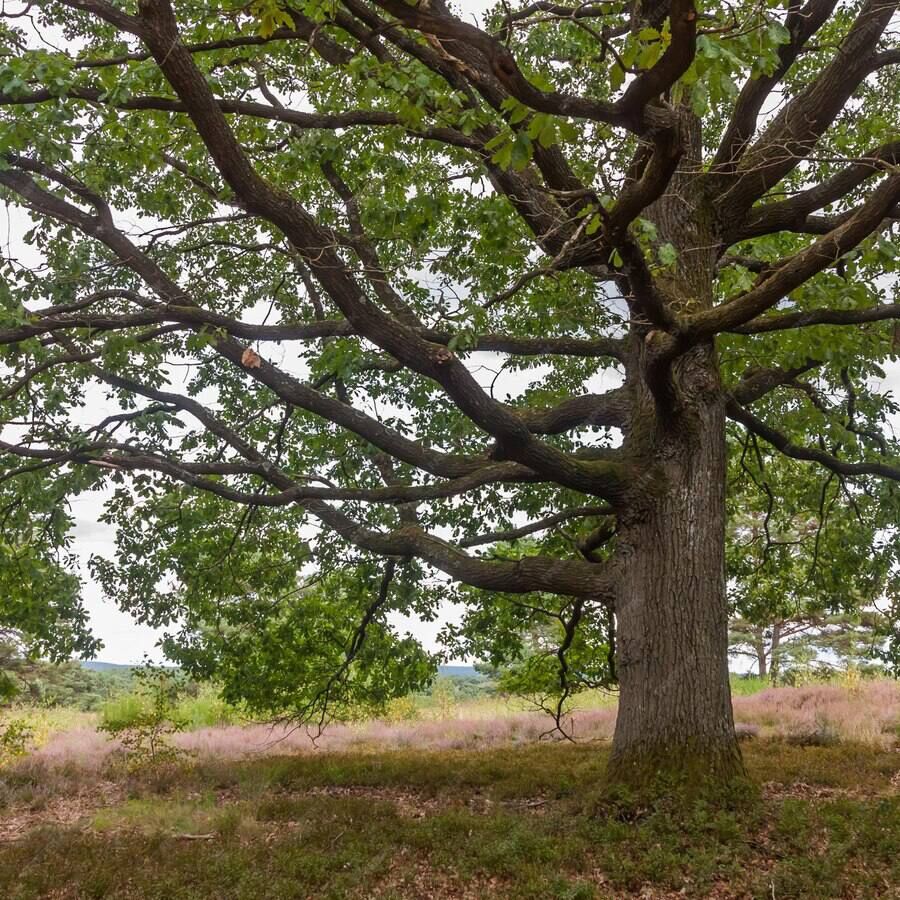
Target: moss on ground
(512, 822)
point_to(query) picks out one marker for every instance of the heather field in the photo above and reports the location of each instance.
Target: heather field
(457, 800)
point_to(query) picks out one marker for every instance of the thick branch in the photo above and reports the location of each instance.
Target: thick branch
(793, 214)
(759, 382)
(597, 410)
(499, 63)
(799, 268)
(283, 385)
(533, 573)
(793, 133)
(803, 23)
(435, 362)
(293, 117)
(804, 319)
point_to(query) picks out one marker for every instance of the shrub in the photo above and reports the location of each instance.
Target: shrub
(746, 685)
(819, 733)
(443, 694)
(143, 723)
(401, 709)
(205, 708)
(16, 737)
(867, 713)
(123, 710)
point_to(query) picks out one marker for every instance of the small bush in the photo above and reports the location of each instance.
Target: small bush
(16, 737)
(443, 694)
(144, 722)
(25, 729)
(401, 709)
(123, 710)
(205, 709)
(747, 685)
(819, 733)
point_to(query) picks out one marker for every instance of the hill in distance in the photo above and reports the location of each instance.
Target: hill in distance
(96, 665)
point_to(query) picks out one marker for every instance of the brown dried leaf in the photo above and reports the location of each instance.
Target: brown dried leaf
(251, 359)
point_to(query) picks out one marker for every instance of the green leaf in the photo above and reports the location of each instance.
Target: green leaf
(521, 151)
(778, 34)
(616, 76)
(667, 254)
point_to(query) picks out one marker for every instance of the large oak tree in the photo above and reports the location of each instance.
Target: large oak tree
(290, 241)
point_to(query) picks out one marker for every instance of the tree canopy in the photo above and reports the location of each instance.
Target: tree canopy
(366, 290)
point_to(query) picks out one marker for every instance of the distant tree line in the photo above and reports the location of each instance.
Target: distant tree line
(39, 682)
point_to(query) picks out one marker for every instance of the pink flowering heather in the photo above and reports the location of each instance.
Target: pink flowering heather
(867, 713)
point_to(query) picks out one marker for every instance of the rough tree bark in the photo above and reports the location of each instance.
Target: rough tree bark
(761, 658)
(756, 641)
(775, 653)
(675, 716)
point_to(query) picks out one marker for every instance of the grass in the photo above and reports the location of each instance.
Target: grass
(36, 725)
(747, 685)
(205, 709)
(465, 806)
(506, 822)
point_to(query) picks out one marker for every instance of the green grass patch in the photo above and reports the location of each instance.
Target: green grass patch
(523, 822)
(205, 709)
(745, 685)
(849, 766)
(172, 817)
(124, 710)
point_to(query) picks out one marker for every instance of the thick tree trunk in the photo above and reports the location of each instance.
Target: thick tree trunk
(675, 719)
